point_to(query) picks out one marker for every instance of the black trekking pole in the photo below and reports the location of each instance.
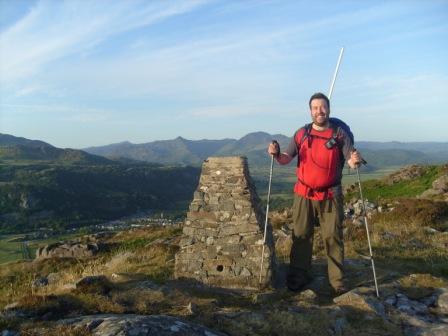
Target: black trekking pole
(267, 213)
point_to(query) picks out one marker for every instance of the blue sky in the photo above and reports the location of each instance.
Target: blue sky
(88, 73)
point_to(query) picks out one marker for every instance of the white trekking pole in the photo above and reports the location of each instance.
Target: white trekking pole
(367, 231)
(359, 180)
(335, 73)
(267, 214)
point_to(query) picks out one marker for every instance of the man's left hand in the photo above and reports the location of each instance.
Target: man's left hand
(355, 159)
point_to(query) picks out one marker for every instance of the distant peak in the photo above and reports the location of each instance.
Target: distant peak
(179, 138)
(256, 134)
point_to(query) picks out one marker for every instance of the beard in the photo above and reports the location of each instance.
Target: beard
(320, 120)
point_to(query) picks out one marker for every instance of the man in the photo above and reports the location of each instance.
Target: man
(321, 148)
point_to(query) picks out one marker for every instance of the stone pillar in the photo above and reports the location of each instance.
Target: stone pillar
(223, 234)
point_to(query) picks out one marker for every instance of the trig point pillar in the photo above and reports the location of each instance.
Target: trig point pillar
(223, 234)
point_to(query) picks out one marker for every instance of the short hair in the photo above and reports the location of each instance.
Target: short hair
(319, 95)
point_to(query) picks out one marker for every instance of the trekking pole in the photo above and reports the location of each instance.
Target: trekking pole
(335, 73)
(359, 179)
(267, 214)
(367, 231)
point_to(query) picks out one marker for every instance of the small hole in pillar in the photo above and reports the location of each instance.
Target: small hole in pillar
(220, 268)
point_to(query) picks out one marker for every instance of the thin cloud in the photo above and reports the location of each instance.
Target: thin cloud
(75, 26)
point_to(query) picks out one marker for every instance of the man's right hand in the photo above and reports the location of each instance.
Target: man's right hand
(274, 148)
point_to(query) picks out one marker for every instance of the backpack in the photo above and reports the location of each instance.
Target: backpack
(336, 125)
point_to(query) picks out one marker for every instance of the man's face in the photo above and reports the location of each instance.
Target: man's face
(319, 112)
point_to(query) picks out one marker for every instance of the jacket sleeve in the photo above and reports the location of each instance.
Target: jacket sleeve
(291, 150)
(347, 145)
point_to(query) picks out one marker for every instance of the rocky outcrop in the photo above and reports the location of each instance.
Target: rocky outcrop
(417, 317)
(223, 234)
(407, 173)
(138, 325)
(67, 250)
(439, 189)
(84, 247)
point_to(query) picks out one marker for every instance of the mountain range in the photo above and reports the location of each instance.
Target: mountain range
(253, 145)
(181, 151)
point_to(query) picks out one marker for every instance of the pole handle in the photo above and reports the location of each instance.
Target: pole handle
(275, 142)
(364, 162)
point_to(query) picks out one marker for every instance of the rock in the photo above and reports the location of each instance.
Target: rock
(69, 249)
(370, 206)
(53, 278)
(139, 325)
(416, 243)
(442, 300)
(358, 208)
(245, 272)
(10, 333)
(430, 193)
(389, 235)
(391, 300)
(408, 306)
(405, 174)
(441, 183)
(12, 305)
(430, 230)
(362, 298)
(308, 295)
(209, 240)
(40, 282)
(438, 330)
(429, 301)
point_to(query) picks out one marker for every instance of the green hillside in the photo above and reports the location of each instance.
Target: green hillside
(382, 189)
(61, 196)
(20, 150)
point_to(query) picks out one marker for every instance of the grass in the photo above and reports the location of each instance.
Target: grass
(378, 190)
(138, 255)
(400, 239)
(10, 250)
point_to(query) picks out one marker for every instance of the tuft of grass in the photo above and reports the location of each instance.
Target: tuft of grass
(51, 306)
(410, 212)
(417, 286)
(99, 304)
(58, 330)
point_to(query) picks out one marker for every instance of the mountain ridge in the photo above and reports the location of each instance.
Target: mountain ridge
(182, 151)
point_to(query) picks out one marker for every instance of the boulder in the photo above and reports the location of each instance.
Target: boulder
(441, 183)
(69, 249)
(362, 298)
(138, 325)
(442, 300)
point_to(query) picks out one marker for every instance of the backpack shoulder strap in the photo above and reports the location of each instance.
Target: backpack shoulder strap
(337, 133)
(306, 133)
(300, 135)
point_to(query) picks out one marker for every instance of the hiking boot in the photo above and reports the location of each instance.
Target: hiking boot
(339, 290)
(296, 282)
